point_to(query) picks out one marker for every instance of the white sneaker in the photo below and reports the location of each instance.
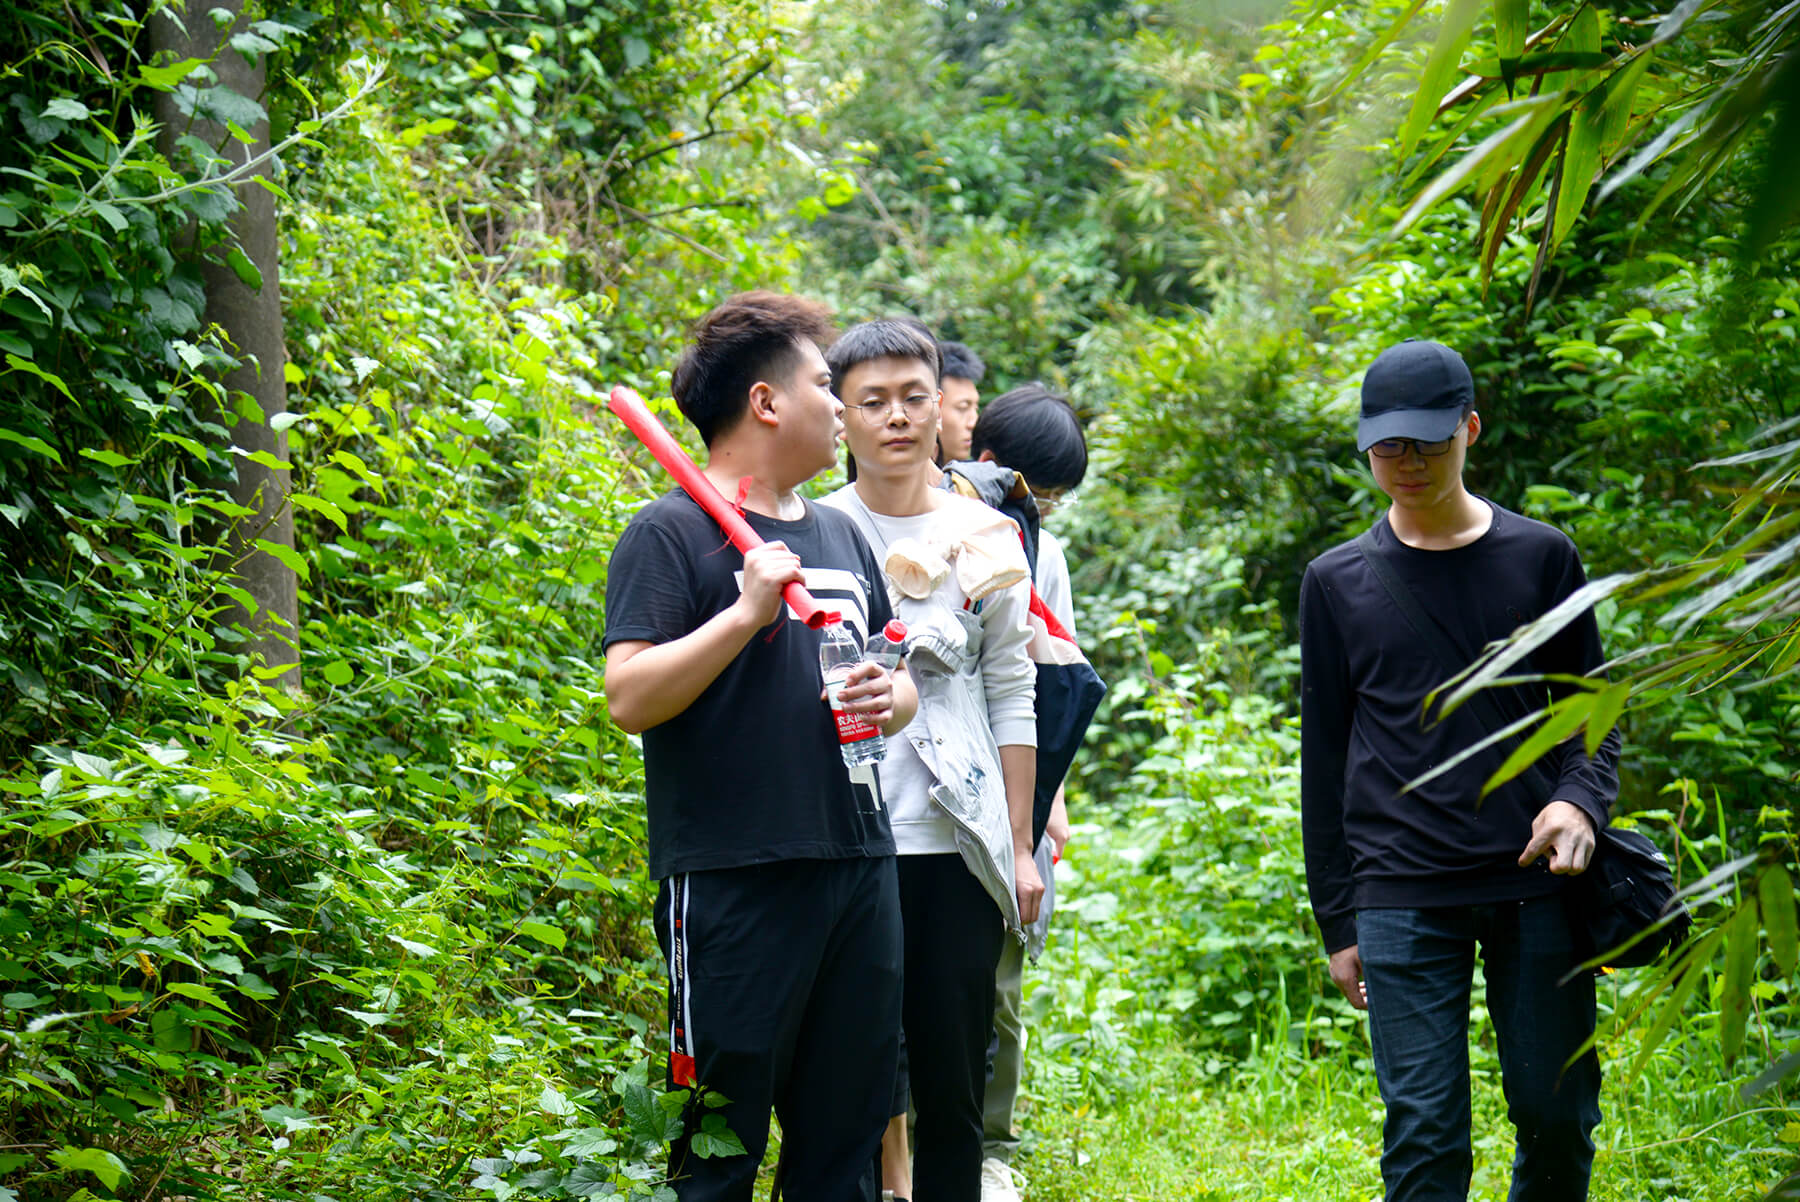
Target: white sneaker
(997, 1183)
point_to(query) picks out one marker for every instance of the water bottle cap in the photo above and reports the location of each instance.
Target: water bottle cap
(894, 631)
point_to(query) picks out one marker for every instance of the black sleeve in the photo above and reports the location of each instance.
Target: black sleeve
(1326, 704)
(649, 589)
(1592, 783)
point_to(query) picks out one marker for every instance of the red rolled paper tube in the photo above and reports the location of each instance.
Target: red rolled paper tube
(631, 410)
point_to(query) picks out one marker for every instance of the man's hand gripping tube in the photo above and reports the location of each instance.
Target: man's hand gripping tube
(631, 410)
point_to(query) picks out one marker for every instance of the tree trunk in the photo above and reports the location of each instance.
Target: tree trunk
(256, 391)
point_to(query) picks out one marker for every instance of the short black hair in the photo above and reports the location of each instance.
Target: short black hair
(885, 337)
(749, 337)
(1036, 433)
(961, 362)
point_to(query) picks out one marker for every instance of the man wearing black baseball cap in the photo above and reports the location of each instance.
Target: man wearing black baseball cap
(1405, 882)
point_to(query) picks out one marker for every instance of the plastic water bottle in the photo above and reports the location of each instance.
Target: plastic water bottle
(858, 738)
(887, 645)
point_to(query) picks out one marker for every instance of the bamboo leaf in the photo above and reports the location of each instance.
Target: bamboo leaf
(1567, 715)
(1772, 1076)
(1530, 637)
(1676, 1001)
(1509, 28)
(1776, 891)
(1607, 707)
(1368, 57)
(1471, 751)
(1535, 113)
(1717, 877)
(1440, 67)
(1740, 967)
(1581, 161)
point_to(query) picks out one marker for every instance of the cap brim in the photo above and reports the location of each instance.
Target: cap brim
(1426, 425)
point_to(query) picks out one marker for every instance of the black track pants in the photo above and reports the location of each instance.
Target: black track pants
(784, 989)
(954, 933)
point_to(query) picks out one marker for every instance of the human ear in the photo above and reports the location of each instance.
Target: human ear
(762, 403)
(1474, 427)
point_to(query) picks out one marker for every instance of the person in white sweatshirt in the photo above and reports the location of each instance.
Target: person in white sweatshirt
(959, 781)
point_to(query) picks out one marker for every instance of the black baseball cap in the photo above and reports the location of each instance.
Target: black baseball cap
(1414, 389)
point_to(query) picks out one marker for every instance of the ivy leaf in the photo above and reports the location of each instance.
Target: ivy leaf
(67, 109)
(98, 1161)
(240, 263)
(338, 673)
(543, 932)
(29, 443)
(288, 556)
(225, 106)
(50, 378)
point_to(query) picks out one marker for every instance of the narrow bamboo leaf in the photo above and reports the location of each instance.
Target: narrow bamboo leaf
(1472, 750)
(1772, 1076)
(1537, 64)
(1530, 637)
(1440, 68)
(1676, 1001)
(1659, 146)
(1776, 891)
(1715, 878)
(1689, 612)
(1583, 35)
(1621, 92)
(1777, 201)
(1740, 967)
(1509, 27)
(1493, 145)
(1581, 161)
(1607, 707)
(1567, 716)
(1375, 48)
(1522, 184)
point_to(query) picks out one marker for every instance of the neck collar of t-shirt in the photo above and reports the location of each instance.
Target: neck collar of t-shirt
(1474, 545)
(759, 521)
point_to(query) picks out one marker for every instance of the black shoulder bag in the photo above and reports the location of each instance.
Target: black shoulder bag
(1625, 902)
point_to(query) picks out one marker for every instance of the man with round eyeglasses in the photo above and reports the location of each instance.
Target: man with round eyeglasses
(1408, 876)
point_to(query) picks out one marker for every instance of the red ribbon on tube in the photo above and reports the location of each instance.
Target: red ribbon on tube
(631, 410)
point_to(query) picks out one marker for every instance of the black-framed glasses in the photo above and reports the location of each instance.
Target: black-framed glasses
(875, 411)
(1394, 448)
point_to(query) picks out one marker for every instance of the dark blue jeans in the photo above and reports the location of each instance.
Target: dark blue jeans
(1418, 966)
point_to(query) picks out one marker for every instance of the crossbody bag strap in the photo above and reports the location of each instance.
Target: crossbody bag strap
(1428, 630)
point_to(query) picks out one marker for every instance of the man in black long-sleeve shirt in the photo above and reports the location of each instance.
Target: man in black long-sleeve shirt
(1404, 885)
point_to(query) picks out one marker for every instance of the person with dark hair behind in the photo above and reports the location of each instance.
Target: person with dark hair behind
(778, 909)
(963, 371)
(1038, 434)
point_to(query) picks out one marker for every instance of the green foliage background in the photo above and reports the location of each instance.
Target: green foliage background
(386, 935)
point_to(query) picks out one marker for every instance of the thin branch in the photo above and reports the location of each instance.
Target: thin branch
(711, 130)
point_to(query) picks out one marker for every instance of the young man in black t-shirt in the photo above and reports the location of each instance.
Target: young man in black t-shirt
(1405, 884)
(778, 908)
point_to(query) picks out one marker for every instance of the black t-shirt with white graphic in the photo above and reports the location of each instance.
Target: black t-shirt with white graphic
(750, 772)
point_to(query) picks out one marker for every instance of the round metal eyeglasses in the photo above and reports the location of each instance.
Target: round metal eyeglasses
(875, 411)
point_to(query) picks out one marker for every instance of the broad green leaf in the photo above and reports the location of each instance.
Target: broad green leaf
(1775, 889)
(200, 993)
(543, 932)
(1621, 92)
(66, 108)
(637, 52)
(317, 505)
(31, 443)
(1583, 34)
(14, 363)
(1440, 68)
(164, 79)
(240, 264)
(98, 1161)
(338, 673)
(288, 556)
(1741, 945)
(109, 458)
(555, 1102)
